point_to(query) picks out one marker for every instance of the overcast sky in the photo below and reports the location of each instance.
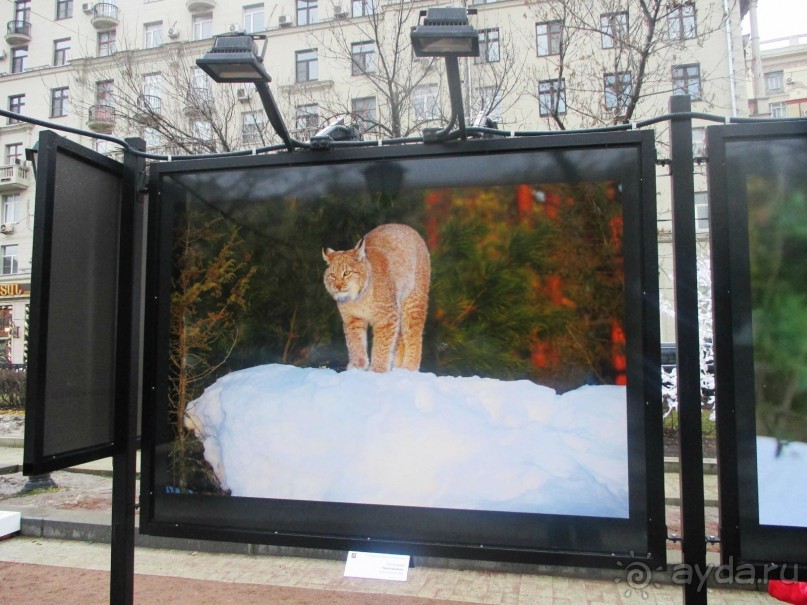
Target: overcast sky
(779, 18)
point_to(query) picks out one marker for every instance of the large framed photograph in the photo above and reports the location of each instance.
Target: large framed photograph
(758, 190)
(445, 350)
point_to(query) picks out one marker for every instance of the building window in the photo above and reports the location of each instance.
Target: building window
(153, 34)
(778, 110)
(202, 131)
(64, 9)
(613, 28)
(698, 142)
(103, 93)
(363, 111)
(152, 99)
(203, 26)
(252, 125)
(362, 8)
(106, 43)
(153, 138)
(306, 120)
(774, 82)
(199, 87)
(253, 19)
(362, 55)
(59, 98)
(682, 22)
(548, 37)
(61, 51)
(306, 12)
(618, 88)
(11, 259)
(687, 81)
(488, 46)
(424, 102)
(701, 211)
(22, 10)
(488, 102)
(306, 65)
(15, 104)
(551, 97)
(10, 203)
(19, 59)
(105, 147)
(14, 153)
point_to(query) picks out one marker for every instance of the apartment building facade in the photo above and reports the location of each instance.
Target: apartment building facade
(780, 91)
(127, 69)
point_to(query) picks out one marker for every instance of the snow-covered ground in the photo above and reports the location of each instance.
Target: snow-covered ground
(415, 439)
(782, 483)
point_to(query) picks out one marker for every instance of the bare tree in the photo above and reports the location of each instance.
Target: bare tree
(605, 62)
(494, 80)
(375, 47)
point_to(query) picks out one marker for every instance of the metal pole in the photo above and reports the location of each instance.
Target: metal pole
(124, 460)
(693, 522)
(455, 92)
(272, 112)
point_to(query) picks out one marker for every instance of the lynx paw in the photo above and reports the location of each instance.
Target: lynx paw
(360, 364)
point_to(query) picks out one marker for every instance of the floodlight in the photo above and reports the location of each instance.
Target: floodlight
(445, 32)
(235, 58)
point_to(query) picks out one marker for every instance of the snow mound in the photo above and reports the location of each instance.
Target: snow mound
(415, 439)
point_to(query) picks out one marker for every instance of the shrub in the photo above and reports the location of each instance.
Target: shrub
(12, 389)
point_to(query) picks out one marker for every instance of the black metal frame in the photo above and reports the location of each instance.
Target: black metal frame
(743, 540)
(129, 366)
(37, 460)
(693, 516)
(605, 542)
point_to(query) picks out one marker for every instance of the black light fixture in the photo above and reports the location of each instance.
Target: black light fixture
(336, 131)
(235, 58)
(446, 32)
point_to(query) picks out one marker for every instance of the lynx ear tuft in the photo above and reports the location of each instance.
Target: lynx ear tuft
(359, 248)
(327, 254)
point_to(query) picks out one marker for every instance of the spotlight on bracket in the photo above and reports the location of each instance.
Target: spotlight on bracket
(445, 32)
(235, 58)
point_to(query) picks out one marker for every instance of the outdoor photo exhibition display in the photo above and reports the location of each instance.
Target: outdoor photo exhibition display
(758, 191)
(504, 401)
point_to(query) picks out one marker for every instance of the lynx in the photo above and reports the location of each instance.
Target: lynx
(382, 282)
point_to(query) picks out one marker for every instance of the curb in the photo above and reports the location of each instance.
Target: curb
(95, 526)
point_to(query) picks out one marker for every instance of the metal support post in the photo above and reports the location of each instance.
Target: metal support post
(127, 389)
(693, 522)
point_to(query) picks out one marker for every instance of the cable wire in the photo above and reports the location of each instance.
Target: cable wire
(445, 135)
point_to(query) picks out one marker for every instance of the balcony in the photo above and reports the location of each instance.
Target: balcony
(148, 109)
(104, 16)
(18, 33)
(198, 102)
(101, 118)
(200, 5)
(13, 177)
